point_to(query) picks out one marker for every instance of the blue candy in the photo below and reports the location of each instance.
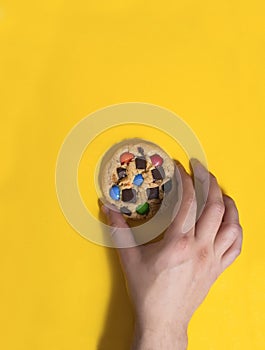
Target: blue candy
(138, 180)
(114, 192)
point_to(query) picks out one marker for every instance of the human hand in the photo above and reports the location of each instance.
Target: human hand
(167, 280)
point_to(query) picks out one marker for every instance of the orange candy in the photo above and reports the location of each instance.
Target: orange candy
(126, 157)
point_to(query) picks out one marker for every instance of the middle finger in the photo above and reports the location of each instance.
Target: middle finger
(185, 216)
(211, 218)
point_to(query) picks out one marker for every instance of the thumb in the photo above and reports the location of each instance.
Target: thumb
(121, 234)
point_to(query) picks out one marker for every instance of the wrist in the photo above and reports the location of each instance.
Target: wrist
(161, 336)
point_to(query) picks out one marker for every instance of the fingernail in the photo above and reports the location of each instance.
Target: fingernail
(196, 164)
(195, 161)
(199, 169)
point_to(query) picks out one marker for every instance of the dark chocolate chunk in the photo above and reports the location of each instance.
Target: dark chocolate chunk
(128, 195)
(140, 150)
(162, 171)
(167, 186)
(140, 163)
(121, 172)
(126, 211)
(152, 192)
(158, 173)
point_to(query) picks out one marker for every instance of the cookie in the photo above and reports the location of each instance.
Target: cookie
(136, 176)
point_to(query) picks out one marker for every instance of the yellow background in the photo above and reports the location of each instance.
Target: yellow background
(61, 60)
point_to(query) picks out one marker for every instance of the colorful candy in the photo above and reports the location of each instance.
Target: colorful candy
(143, 208)
(156, 160)
(138, 180)
(114, 192)
(126, 191)
(126, 157)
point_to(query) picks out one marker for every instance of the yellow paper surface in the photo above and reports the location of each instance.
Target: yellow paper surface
(62, 60)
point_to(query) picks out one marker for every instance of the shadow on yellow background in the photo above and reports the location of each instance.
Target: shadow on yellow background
(62, 60)
(117, 330)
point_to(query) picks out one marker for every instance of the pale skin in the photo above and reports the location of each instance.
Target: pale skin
(167, 280)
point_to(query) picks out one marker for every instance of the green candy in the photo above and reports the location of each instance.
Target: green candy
(142, 208)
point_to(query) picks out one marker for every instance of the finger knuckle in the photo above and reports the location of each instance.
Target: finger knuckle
(232, 230)
(237, 251)
(203, 253)
(236, 229)
(183, 242)
(217, 206)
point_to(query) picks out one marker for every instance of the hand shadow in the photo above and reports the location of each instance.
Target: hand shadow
(117, 331)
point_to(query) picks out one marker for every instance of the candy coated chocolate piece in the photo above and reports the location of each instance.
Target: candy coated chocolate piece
(126, 211)
(152, 192)
(156, 160)
(121, 172)
(138, 180)
(140, 163)
(143, 208)
(158, 173)
(114, 192)
(167, 186)
(126, 157)
(128, 195)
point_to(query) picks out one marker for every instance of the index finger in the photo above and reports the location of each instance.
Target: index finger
(211, 218)
(185, 210)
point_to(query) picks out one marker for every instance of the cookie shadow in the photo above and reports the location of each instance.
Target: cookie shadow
(117, 332)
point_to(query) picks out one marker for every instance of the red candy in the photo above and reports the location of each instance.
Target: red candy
(126, 157)
(156, 160)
